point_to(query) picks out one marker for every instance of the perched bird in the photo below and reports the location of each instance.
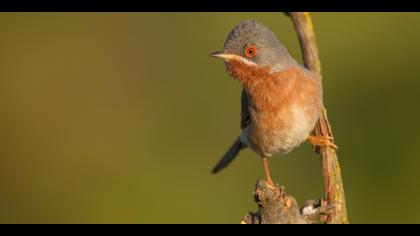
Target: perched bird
(281, 100)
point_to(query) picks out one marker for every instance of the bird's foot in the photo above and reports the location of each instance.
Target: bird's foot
(321, 141)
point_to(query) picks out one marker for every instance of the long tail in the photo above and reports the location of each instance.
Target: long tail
(229, 156)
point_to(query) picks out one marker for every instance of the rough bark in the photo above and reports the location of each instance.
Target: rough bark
(275, 206)
(333, 184)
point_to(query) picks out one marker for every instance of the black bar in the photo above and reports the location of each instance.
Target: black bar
(207, 5)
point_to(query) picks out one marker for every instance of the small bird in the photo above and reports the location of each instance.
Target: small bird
(281, 100)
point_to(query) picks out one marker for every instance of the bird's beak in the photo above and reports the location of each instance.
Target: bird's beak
(225, 55)
(230, 56)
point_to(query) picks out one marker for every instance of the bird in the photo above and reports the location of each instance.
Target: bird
(281, 100)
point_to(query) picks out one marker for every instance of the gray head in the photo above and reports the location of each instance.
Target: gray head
(251, 41)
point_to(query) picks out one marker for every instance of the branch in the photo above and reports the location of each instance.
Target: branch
(275, 206)
(333, 184)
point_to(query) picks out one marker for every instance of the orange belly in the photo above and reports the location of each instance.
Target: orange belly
(285, 108)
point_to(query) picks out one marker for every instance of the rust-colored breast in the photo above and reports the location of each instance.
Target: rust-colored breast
(286, 106)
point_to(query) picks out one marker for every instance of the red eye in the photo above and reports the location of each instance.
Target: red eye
(251, 51)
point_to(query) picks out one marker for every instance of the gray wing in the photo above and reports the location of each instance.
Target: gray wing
(245, 105)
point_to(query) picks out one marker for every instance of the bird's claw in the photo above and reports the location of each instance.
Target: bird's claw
(322, 141)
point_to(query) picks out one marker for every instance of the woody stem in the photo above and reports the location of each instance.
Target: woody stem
(333, 184)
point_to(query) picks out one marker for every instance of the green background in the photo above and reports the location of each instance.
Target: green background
(119, 118)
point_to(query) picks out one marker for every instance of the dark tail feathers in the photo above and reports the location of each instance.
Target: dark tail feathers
(229, 156)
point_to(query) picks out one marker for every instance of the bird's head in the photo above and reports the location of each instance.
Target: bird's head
(251, 46)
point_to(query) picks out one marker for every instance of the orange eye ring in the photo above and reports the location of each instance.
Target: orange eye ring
(251, 51)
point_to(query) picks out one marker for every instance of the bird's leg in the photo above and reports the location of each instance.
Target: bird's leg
(321, 141)
(267, 170)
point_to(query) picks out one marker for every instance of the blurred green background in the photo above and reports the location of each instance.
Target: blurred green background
(119, 118)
